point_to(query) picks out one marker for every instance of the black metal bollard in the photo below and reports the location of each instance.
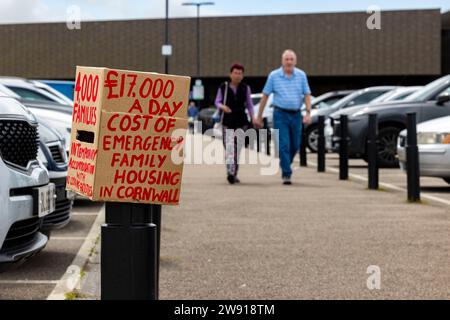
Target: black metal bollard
(343, 148)
(156, 219)
(372, 153)
(303, 157)
(321, 145)
(412, 159)
(128, 253)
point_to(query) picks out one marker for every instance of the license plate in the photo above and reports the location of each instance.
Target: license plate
(46, 198)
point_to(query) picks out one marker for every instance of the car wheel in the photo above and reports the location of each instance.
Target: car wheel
(387, 147)
(447, 180)
(312, 138)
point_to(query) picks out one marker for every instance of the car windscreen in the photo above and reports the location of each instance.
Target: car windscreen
(425, 93)
(402, 96)
(345, 100)
(384, 97)
(333, 100)
(29, 94)
(325, 101)
(364, 98)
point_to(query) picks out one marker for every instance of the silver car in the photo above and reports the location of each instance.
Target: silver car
(26, 196)
(34, 90)
(433, 139)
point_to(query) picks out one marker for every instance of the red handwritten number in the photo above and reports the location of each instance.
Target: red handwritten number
(122, 84)
(89, 88)
(95, 88)
(83, 88)
(78, 87)
(155, 88)
(155, 93)
(132, 83)
(143, 87)
(167, 94)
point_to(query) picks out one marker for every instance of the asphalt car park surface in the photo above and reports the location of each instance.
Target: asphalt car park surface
(37, 277)
(430, 186)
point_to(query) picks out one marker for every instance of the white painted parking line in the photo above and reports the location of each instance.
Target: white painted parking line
(68, 238)
(390, 186)
(81, 214)
(29, 281)
(80, 259)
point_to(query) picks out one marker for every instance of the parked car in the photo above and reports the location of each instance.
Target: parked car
(52, 91)
(64, 87)
(433, 139)
(321, 102)
(397, 94)
(430, 102)
(57, 116)
(358, 97)
(33, 90)
(26, 196)
(327, 99)
(52, 153)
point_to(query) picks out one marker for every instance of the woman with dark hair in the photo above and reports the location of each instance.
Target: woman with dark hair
(233, 99)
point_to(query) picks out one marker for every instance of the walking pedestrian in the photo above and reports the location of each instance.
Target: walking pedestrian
(192, 115)
(233, 99)
(290, 88)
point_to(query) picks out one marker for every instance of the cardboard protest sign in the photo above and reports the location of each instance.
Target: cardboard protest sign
(128, 134)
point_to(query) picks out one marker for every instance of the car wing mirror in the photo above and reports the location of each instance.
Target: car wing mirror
(442, 99)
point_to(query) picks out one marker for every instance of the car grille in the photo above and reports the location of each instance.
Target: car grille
(21, 233)
(56, 154)
(60, 216)
(19, 142)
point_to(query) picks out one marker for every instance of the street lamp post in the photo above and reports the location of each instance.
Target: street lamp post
(198, 5)
(166, 42)
(166, 49)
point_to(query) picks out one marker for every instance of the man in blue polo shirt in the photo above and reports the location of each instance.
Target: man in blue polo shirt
(290, 89)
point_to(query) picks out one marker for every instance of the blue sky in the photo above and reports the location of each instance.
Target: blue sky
(12, 11)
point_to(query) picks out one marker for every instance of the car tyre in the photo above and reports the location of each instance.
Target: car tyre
(387, 147)
(312, 137)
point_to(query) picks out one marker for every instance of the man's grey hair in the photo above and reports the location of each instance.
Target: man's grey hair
(289, 51)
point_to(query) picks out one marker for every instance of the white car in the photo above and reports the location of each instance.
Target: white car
(26, 196)
(268, 110)
(433, 140)
(60, 121)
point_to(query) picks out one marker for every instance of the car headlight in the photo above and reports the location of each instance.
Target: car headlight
(41, 157)
(433, 138)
